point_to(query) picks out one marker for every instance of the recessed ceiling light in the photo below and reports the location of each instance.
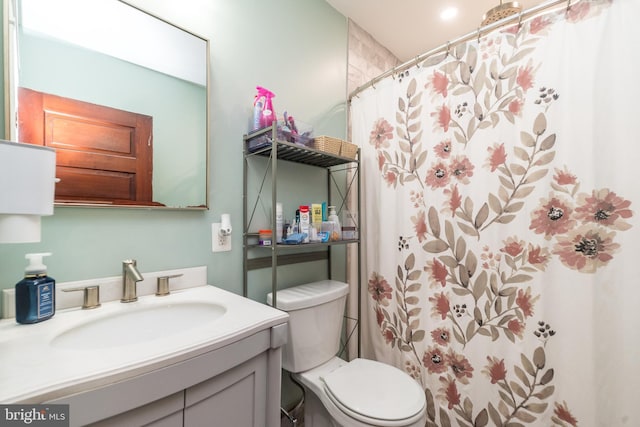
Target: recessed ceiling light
(448, 13)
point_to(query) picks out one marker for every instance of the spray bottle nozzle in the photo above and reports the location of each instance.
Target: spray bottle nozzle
(35, 262)
(264, 91)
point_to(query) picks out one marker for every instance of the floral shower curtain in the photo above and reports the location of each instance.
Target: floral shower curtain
(500, 222)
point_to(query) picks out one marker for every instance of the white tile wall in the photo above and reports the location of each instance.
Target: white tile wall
(367, 57)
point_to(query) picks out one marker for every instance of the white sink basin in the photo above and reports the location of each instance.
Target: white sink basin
(89, 349)
(139, 324)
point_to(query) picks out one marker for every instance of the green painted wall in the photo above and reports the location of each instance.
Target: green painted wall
(298, 49)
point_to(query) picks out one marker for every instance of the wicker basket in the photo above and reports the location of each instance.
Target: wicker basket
(348, 150)
(327, 144)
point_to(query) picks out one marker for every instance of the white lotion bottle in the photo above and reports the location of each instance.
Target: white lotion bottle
(336, 234)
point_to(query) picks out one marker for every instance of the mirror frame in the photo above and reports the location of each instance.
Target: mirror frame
(10, 31)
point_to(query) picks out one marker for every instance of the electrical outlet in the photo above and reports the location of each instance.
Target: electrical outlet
(219, 243)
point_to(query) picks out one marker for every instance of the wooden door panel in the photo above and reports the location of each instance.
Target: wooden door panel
(90, 136)
(107, 163)
(103, 154)
(93, 185)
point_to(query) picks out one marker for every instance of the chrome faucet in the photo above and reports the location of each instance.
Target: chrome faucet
(130, 276)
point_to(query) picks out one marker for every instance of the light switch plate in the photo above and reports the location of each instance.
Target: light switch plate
(218, 243)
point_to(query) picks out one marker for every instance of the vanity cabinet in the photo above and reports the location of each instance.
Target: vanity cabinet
(236, 385)
(343, 190)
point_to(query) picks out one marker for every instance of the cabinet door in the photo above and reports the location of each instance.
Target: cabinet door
(165, 412)
(235, 398)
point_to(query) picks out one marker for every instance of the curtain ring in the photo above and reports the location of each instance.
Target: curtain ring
(478, 35)
(394, 72)
(520, 20)
(568, 5)
(417, 61)
(448, 48)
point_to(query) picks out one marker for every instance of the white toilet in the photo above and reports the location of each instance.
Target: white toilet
(360, 393)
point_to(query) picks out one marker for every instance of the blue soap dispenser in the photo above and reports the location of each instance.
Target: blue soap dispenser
(36, 293)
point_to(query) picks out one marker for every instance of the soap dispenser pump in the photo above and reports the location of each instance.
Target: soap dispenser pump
(36, 293)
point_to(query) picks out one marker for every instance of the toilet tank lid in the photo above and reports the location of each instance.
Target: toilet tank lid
(308, 295)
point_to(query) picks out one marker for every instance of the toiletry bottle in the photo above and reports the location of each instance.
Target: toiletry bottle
(258, 106)
(336, 234)
(36, 293)
(279, 222)
(349, 226)
(316, 213)
(296, 222)
(305, 222)
(268, 114)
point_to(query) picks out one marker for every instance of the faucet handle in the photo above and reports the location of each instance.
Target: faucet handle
(163, 285)
(91, 296)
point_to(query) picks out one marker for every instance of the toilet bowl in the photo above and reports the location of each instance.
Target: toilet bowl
(359, 393)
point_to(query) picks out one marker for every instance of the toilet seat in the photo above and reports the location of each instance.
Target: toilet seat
(375, 393)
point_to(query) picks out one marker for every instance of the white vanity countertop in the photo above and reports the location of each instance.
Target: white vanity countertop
(32, 370)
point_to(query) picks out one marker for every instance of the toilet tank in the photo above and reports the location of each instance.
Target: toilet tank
(316, 312)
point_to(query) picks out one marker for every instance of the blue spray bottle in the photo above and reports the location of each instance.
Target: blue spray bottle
(36, 293)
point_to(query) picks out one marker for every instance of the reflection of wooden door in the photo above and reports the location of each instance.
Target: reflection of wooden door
(103, 154)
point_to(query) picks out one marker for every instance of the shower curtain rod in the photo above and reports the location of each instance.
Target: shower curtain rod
(448, 45)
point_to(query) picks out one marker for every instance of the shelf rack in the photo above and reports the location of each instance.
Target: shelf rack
(267, 144)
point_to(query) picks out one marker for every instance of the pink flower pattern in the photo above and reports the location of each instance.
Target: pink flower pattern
(438, 176)
(586, 248)
(525, 78)
(437, 272)
(420, 226)
(443, 150)
(440, 82)
(443, 118)
(495, 370)
(381, 134)
(461, 169)
(553, 217)
(605, 208)
(497, 156)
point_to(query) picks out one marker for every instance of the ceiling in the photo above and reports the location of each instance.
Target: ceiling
(409, 28)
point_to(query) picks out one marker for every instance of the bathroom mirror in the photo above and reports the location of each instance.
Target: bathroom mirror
(116, 59)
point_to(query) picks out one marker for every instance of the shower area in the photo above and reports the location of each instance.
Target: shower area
(500, 218)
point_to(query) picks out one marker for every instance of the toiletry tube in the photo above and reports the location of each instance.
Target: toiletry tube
(316, 213)
(305, 221)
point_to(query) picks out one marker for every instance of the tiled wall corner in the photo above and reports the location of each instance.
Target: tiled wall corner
(367, 57)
